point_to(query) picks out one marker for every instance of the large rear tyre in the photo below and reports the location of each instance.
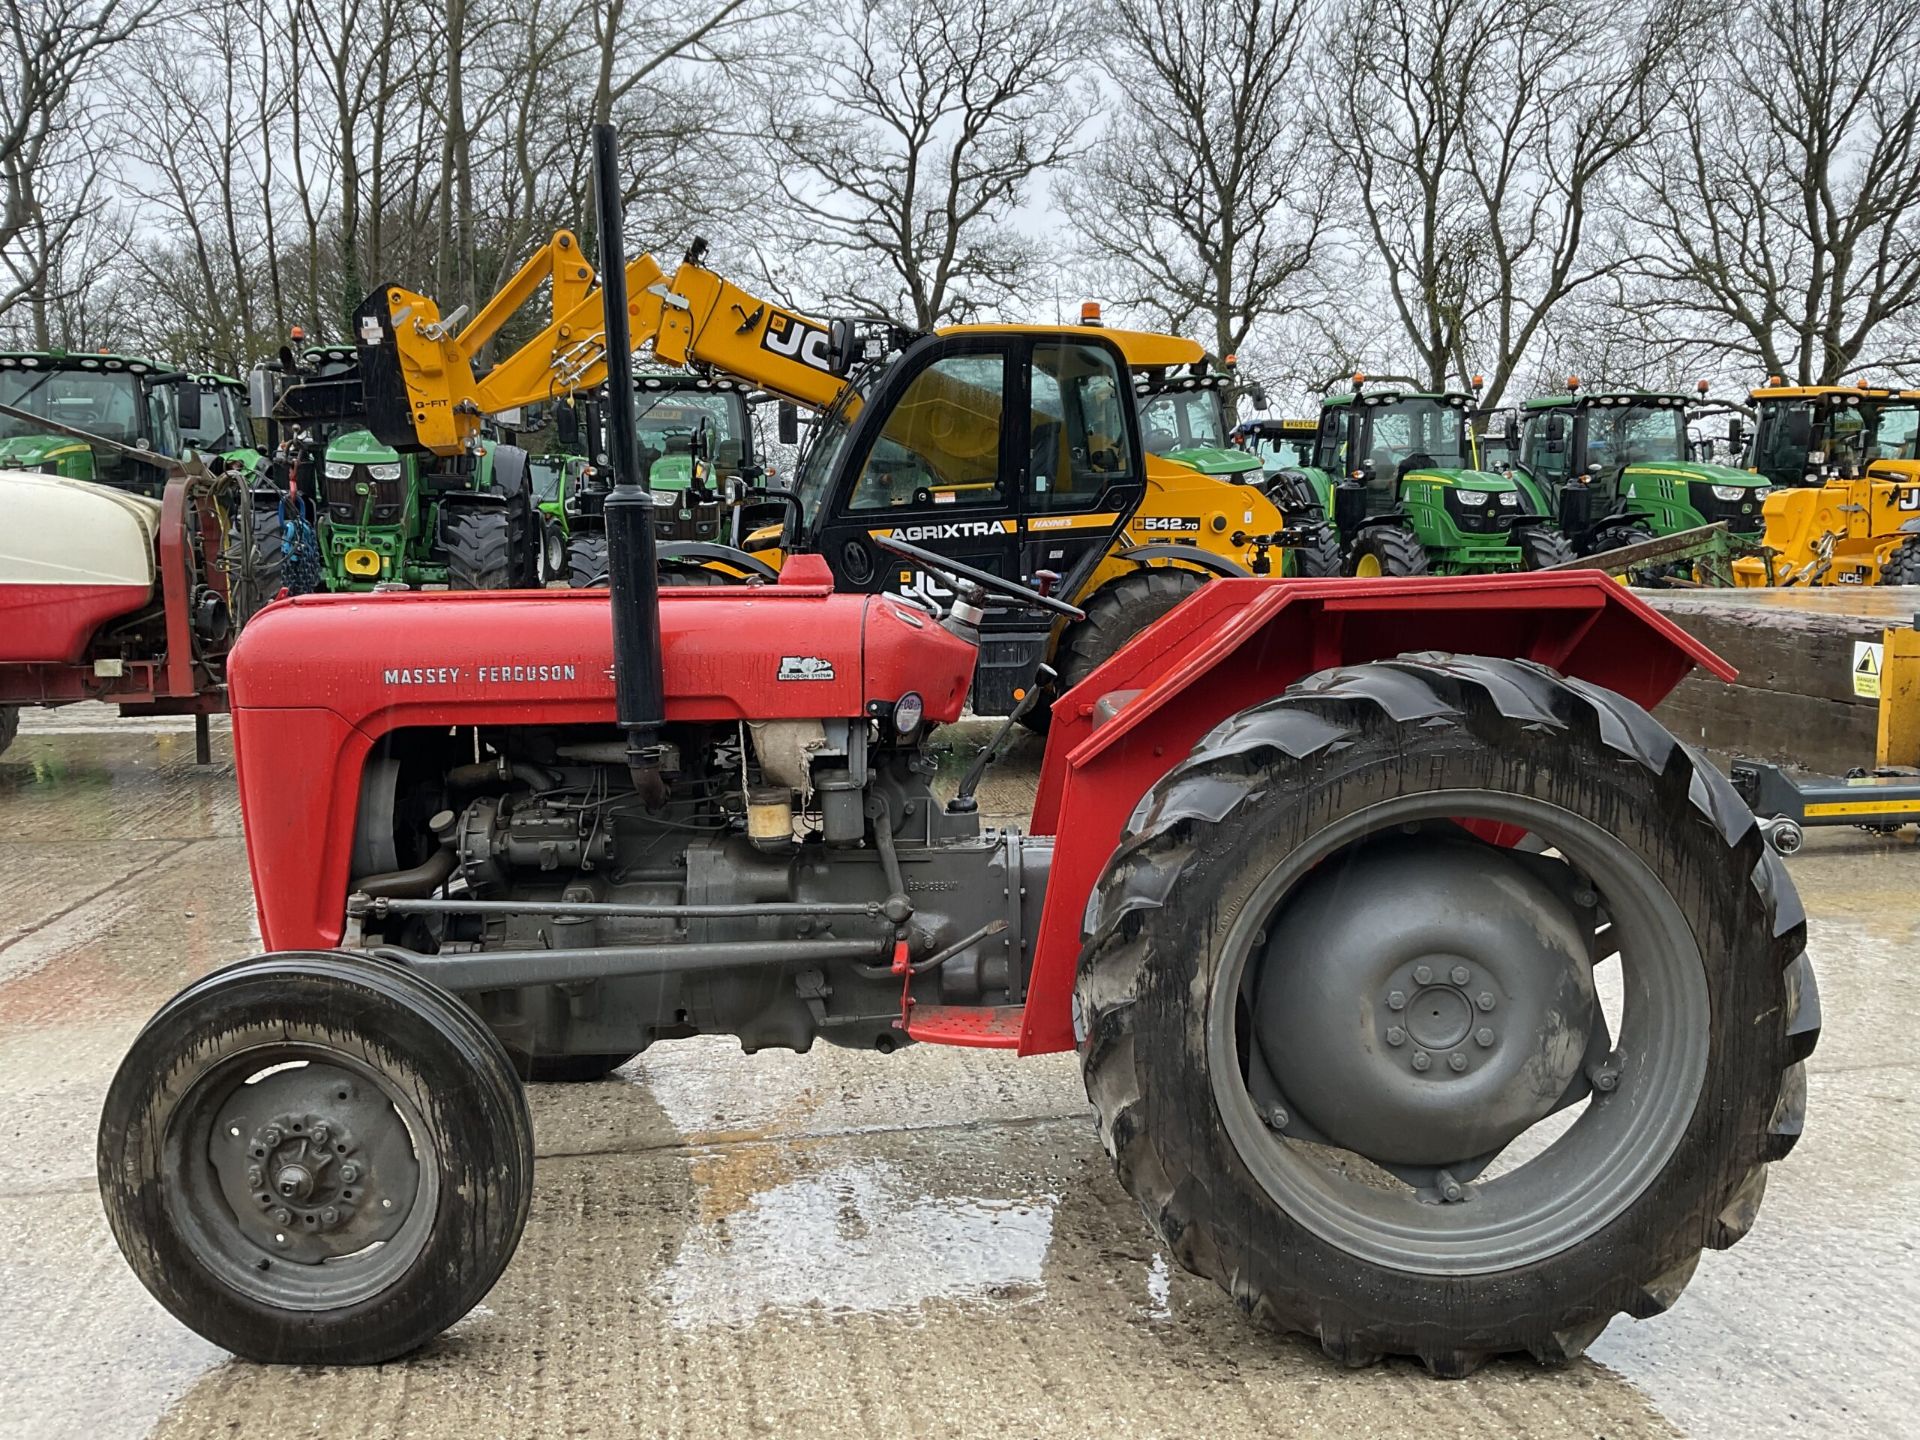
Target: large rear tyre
(1326, 1024)
(1114, 616)
(1543, 546)
(481, 553)
(259, 538)
(1387, 550)
(316, 1158)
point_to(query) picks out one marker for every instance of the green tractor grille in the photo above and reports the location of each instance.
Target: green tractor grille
(346, 505)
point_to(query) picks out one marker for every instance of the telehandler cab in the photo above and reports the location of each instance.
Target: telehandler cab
(1433, 1004)
(1012, 448)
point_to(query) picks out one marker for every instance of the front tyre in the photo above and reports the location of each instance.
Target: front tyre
(1902, 565)
(1387, 550)
(315, 1158)
(1356, 1061)
(481, 546)
(1114, 616)
(1319, 556)
(1543, 546)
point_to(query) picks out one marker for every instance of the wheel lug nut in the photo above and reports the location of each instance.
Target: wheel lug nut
(320, 1134)
(255, 1177)
(1421, 1060)
(1423, 974)
(1485, 1001)
(1483, 1037)
(1456, 1062)
(349, 1173)
(1277, 1117)
(1396, 1000)
(283, 1216)
(331, 1216)
(1604, 1078)
(271, 1136)
(1396, 1036)
(1460, 975)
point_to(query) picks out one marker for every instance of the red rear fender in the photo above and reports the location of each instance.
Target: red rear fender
(1235, 643)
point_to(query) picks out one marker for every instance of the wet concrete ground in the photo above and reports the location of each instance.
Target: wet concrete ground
(927, 1243)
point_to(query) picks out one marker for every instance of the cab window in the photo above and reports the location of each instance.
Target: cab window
(1077, 432)
(1544, 446)
(940, 446)
(1331, 448)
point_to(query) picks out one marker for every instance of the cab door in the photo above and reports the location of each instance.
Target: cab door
(930, 462)
(1081, 472)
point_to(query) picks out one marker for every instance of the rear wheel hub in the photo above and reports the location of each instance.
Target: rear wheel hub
(1425, 1001)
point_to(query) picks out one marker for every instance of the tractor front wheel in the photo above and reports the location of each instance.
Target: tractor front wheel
(316, 1158)
(1387, 550)
(587, 560)
(481, 551)
(1320, 555)
(1544, 546)
(1443, 1007)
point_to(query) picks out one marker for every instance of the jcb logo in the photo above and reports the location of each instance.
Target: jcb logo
(1909, 497)
(792, 338)
(946, 530)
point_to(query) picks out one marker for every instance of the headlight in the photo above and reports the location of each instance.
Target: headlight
(339, 470)
(1509, 497)
(908, 711)
(1472, 497)
(380, 472)
(1729, 492)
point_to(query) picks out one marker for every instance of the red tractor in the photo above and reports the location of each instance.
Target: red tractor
(1432, 998)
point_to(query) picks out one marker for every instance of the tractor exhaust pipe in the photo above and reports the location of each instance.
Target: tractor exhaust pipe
(632, 573)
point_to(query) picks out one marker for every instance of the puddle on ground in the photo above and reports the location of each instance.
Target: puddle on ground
(859, 1237)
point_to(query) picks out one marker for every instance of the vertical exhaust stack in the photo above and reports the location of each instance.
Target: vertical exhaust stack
(639, 686)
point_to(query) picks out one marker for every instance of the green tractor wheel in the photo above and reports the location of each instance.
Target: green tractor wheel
(480, 549)
(1542, 547)
(1320, 555)
(1387, 550)
(587, 561)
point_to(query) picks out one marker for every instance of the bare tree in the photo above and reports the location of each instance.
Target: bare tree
(908, 134)
(1204, 199)
(1781, 200)
(1479, 136)
(53, 48)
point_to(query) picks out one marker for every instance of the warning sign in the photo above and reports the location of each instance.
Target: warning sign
(1867, 657)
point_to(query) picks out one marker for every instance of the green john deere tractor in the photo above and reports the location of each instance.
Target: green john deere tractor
(224, 428)
(1190, 418)
(1401, 474)
(1612, 467)
(116, 397)
(385, 518)
(701, 435)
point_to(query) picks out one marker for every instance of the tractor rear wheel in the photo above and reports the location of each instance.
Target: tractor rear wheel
(260, 538)
(1618, 537)
(1320, 556)
(316, 1158)
(1412, 1092)
(1387, 550)
(1543, 546)
(9, 726)
(1114, 616)
(587, 560)
(1902, 566)
(480, 548)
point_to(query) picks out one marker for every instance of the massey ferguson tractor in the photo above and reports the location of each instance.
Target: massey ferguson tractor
(1431, 998)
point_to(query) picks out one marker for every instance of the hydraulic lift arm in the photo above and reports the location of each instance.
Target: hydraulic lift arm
(419, 372)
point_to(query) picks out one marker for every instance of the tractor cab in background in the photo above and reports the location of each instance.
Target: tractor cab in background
(224, 427)
(1278, 444)
(1614, 468)
(1402, 475)
(120, 398)
(1191, 417)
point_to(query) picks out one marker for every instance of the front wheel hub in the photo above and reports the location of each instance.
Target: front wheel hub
(1422, 1000)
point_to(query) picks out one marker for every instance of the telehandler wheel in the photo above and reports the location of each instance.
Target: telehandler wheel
(9, 726)
(1387, 550)
(1320, 556)
(1114, 616)
(316, 1158)
(1902, 566)
(481, 548)
(587, 561)
(1543, 546)
(1325, 1018)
